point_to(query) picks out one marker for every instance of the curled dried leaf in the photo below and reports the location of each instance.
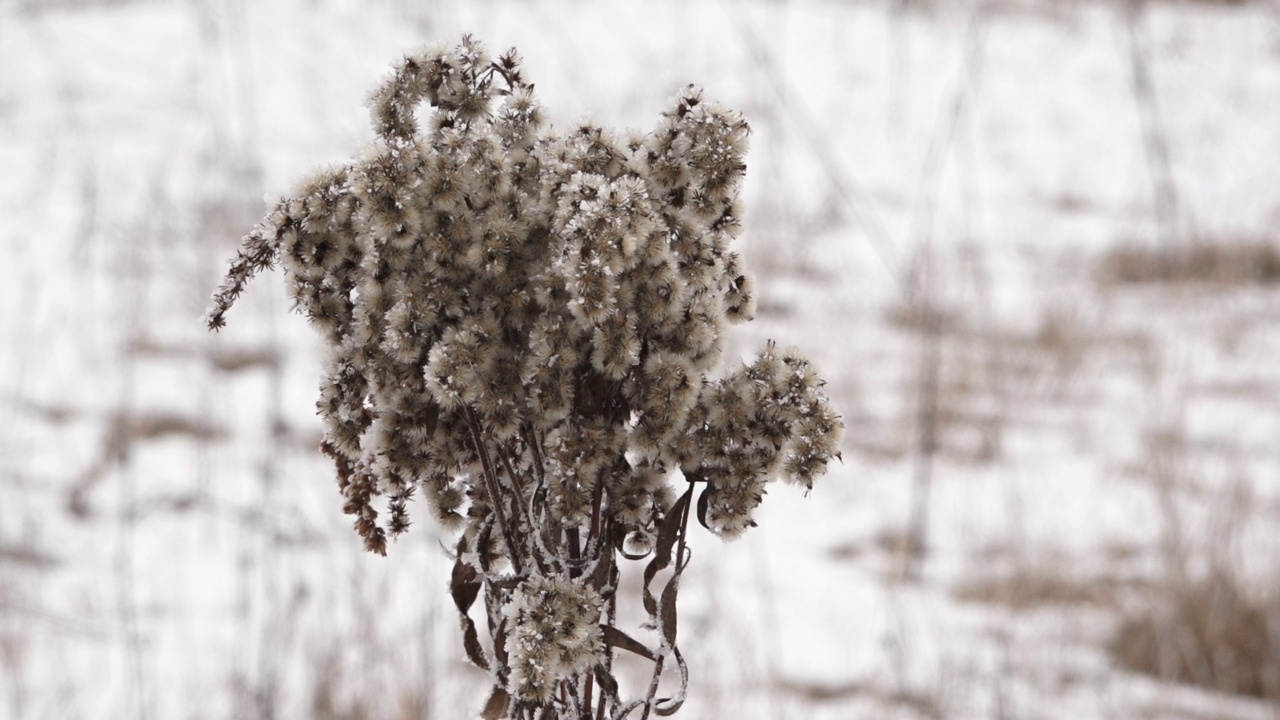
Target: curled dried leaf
(619, 639)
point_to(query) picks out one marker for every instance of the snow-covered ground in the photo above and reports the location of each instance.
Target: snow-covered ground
(171, 543)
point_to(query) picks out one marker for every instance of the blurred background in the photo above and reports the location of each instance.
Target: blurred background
(1033, 246)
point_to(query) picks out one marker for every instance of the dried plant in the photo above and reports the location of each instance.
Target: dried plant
(520, 328)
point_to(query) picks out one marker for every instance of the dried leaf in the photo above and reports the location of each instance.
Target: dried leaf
(619, 639)
(704, 500)
(484, 544)
(496, 706)
(667, 535)
(665, 707)
(602, 572)
(669, 607)
(464, 586)
(608, 684)
(650, 602)
(620, 544)
(669, 532)
(500, 644)
(622, 712)
(471, 643)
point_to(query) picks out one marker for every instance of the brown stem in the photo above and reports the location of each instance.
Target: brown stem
(597, 501)
(533, 531)
(495, 497)
(653, 687)
(535, 447)
(611, 617)
(515, 485)
(574, 543)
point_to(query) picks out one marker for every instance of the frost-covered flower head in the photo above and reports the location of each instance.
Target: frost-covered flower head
(523, 326)
(555, 634)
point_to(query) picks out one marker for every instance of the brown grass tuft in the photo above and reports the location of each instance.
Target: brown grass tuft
(1246, 262)
(1211, 633)
(1033, 586)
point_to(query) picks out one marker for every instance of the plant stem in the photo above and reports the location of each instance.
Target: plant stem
(495, 496)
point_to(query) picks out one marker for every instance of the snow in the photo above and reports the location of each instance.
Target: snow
(207, 571)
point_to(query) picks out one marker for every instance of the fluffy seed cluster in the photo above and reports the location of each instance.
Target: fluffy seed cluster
(554, 634)
(768, 418)
(523, 326)
(560, 296)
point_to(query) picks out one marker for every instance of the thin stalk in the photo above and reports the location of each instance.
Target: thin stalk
(653, 687)
(927, 425)
(573, 542)
(535, 447)
(495, 497)
(611, 618)
(541, 554)
(1154, 134)
(597, 501)
(515, 485)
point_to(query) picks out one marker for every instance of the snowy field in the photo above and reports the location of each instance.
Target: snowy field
(1033, 245)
